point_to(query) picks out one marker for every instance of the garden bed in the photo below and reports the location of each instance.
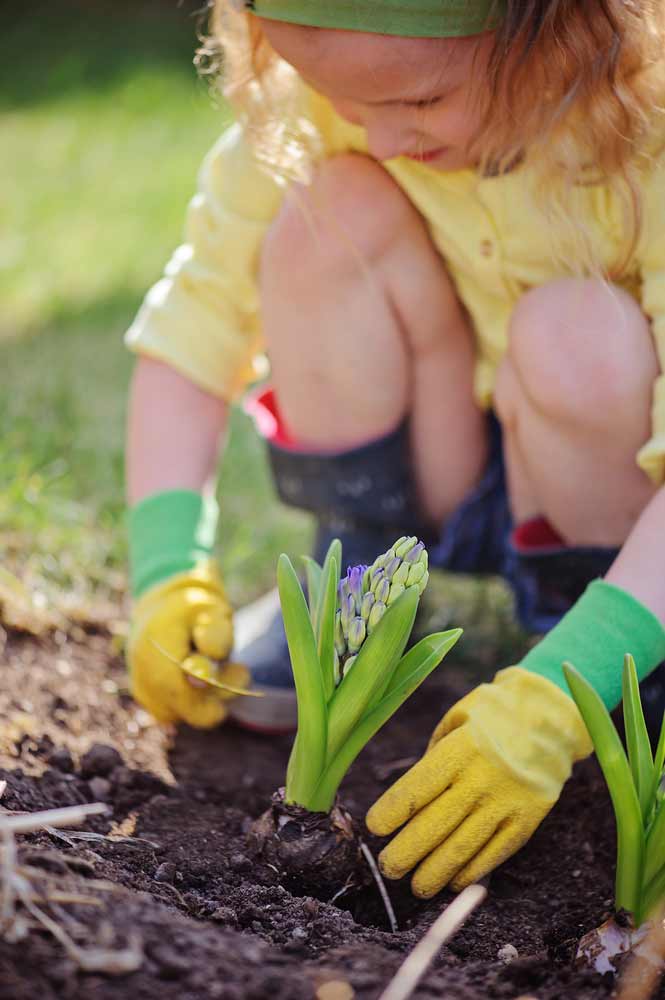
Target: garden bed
(172, 870)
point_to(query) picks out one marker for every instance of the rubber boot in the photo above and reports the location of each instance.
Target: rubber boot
(548, 577)
(364, 497)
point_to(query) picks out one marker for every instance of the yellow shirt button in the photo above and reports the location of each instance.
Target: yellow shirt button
(486, 248)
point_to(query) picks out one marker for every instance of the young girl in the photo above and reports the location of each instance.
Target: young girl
(450, 217)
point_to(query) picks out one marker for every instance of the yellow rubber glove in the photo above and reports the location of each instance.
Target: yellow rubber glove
(187, 613)
(494, 767)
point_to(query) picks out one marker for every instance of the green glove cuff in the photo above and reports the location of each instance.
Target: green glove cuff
(169, 532)
(605, 624)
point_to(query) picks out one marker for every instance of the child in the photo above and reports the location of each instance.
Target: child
(450, 217)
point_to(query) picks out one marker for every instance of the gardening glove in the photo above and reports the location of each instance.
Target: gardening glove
(188, 613)
(494, 767)
(498, 759)
(181, 613)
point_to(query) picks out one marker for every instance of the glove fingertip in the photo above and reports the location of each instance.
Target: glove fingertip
(461, 882)
(208, 717)
(389, 868)
(380, 821)
(424, 888)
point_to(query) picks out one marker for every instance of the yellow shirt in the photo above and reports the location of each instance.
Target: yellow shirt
(203, 317)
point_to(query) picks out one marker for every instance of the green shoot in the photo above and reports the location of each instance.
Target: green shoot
(634, 781)
(347, 653)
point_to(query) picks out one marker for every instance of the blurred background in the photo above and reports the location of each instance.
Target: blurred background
(104, 124)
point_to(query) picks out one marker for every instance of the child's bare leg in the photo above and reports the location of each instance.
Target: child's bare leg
(363, 329)
(573, 396)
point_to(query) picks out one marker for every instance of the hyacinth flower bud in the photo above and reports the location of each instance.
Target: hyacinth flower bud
(356, 636)
(415, 575)
(340, 639)
(366, 591)
(414, 553)
(391, 567)
(347, 611)
(382, 591)
(403, 545)
(347, 666)
(366, 605)
(355, 584)
(375, 615)
(337, 669)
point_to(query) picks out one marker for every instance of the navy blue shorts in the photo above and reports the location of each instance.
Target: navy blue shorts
(480, 537)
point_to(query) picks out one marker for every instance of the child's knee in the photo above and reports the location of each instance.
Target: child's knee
(581, 350)
(348, 216)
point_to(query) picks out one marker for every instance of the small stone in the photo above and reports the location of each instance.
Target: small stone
(239, 863)
(100, 789)
(335, 989)
(577, 873)
(507, 954)
(61, 760)
(224, 915)
(166, 872)
(249, 913)
(99, 760)
(299, 934)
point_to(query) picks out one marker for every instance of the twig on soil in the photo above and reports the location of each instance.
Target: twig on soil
(374, 868)
(176, 892)
(114, 963)
(72, 835)
(345, 888)
(70, 815)
(646, 966)
(418, 961)
(16, 886)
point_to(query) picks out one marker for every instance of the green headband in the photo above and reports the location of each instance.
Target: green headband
(417, 19)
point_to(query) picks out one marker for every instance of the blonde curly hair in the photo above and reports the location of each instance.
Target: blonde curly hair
(598, 67)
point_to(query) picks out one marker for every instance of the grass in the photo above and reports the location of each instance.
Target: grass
(104, 124)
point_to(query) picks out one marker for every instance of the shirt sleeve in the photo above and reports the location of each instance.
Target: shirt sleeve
(651, 456)
(202, 317)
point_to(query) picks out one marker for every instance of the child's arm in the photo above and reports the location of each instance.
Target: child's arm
(639, 566)
(197, 335)
(174, 431)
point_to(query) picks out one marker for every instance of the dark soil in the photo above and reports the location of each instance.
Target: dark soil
(214, 921)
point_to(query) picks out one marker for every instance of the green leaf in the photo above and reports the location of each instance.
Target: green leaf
(637, 738)
(326, 625)
(313, 575)
(372, 671)
(614, 763)
(333, 559)
(658, 762)
(652, 897)
(411, 671)
(654, 858)
(310, 746)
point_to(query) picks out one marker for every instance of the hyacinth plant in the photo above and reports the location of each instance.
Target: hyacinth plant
(635, 783)
(347, 653)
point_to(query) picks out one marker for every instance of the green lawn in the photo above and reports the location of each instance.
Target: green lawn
(103, 125)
